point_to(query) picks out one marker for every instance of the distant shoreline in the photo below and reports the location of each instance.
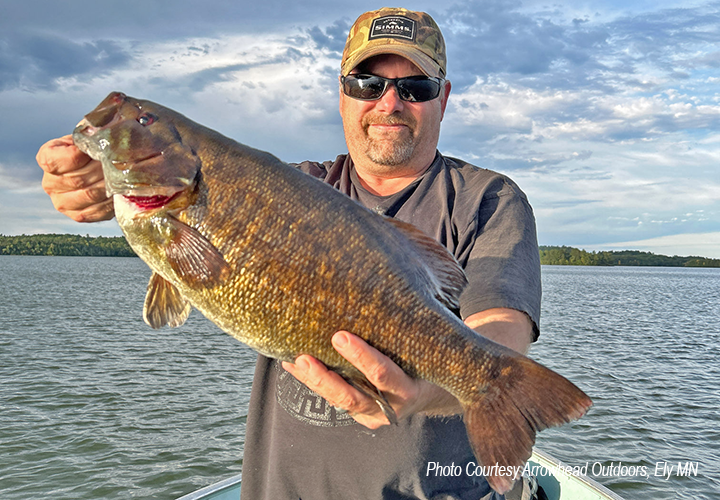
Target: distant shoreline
(569, 256)
(73, 245)
(65, 245)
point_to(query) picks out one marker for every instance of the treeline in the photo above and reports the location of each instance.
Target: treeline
(65, 245)
(568, 256)
(116, 246)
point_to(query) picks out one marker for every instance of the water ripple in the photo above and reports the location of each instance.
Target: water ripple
(94, 404)
(644, 343)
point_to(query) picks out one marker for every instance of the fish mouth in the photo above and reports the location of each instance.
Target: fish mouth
(146, 202)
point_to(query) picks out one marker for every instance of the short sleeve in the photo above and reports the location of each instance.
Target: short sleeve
(500, 251)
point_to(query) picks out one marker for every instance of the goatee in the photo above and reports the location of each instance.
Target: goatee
(389, 152)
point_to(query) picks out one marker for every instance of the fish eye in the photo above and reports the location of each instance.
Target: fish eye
(146, 119)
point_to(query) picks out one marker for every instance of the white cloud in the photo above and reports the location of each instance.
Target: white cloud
(503, 107)
(688, 244)
(608, 116)
(12, 179)
(31, 212)
(261, 90)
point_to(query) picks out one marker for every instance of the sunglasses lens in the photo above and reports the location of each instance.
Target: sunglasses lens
(365, 88)
(418, 89)
(371, 88)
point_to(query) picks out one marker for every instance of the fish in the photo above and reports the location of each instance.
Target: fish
(281, 261)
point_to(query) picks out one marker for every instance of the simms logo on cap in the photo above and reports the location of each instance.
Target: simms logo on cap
(392, 27)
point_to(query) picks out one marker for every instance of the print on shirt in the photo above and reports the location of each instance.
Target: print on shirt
(306, 405)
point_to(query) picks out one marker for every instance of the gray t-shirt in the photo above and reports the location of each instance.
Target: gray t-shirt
(299, 447)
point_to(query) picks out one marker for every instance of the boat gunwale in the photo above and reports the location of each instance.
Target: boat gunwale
(585, 480)
(213, 488)
(540, 457)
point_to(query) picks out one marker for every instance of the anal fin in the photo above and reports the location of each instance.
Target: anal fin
(194, 258)
(164, 305)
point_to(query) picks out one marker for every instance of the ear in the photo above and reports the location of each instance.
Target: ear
(444, 98)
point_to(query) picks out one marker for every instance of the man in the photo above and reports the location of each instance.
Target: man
(304, 438)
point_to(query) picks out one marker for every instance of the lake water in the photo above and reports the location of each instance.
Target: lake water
(95, 404)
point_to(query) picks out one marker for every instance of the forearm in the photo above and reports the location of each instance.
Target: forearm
(508, 327)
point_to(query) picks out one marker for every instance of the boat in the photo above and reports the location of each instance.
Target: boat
(554, 479)
(559, 484)
(227, 489)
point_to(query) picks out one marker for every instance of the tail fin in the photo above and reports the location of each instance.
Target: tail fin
(502, 422)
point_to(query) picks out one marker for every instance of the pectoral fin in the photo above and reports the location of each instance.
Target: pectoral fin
(363, 385)
(164, 305)
(194, 258)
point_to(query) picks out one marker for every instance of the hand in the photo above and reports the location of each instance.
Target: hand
(74, 181)
(406, 395)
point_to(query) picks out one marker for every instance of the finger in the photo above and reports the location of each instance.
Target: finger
(84, 177)
(405, 394)
(380, 370)
(94, 213)
(60, 155)
(90, 204)
(334, 388)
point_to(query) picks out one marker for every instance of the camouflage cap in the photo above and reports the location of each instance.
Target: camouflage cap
(412, 35)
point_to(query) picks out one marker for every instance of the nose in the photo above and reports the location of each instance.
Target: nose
(85, 128)
(390, 102)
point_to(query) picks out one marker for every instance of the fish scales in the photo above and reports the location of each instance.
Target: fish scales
(318, 279)
(282, 261)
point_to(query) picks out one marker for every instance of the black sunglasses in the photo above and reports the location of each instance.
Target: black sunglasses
(410, 88)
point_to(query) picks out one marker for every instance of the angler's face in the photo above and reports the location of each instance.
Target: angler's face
(390, 136)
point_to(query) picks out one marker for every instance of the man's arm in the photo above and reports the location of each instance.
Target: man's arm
(406, 395)
(509, 327)
(74, 182)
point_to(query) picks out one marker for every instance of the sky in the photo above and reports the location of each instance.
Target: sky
(606, 113)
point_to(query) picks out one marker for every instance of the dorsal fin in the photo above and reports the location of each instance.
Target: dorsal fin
(447, 275)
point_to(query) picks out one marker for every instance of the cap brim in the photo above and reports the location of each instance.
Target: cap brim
(419, 59)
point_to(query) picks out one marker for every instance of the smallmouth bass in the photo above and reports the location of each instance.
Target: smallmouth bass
(281, 261)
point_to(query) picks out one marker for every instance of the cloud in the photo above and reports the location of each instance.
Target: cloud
(243, 86)
(606, 116)
(19, 179)
(332, 37)
(686, 244)
(172, 19)
(496, 38)
(30, 213)
(498, 107)
(39, 61)
(641, 51)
